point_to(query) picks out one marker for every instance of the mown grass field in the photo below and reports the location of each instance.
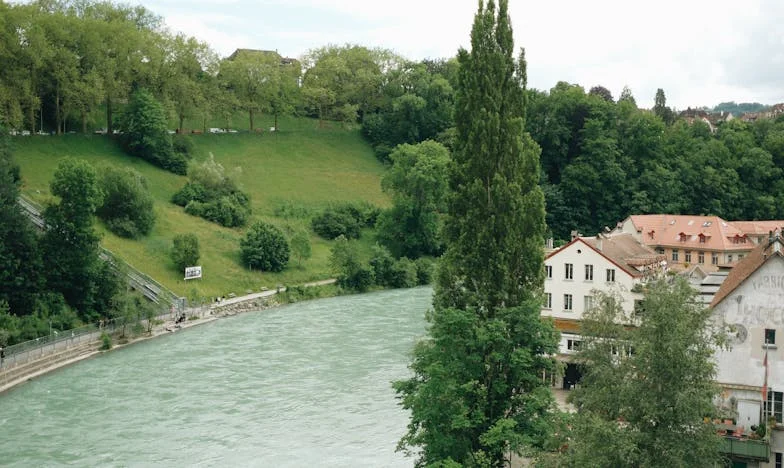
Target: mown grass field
(289, 175)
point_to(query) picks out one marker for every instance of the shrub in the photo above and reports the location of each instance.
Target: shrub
(265, 248)
(127, 206)
(212, 195)
(182, 144)
(425, 268)
(185, 251)
(382, 263)
(404, 274)
(106, 342)
(331, 224)
(347, 266)
(346, 219)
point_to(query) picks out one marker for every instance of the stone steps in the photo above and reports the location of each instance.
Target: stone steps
(29, 368)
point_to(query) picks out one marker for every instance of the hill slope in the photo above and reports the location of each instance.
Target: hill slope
(288, 174)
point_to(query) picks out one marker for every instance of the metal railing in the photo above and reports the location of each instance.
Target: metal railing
(137, 280)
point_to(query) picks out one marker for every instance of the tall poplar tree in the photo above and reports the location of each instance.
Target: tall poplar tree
(477, 392)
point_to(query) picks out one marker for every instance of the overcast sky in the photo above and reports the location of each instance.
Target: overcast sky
(701, 52)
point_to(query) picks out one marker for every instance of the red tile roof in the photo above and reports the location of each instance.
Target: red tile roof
(743, 269)
(623, 250)
(699, 232)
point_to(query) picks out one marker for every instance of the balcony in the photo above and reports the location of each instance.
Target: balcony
(748, 449)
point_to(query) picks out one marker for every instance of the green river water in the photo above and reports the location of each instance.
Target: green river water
(304, 385)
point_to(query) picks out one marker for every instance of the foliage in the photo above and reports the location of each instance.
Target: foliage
(213, 195)
(629, 376)
(300, 246)
(265, 248)
(106, 342)
(70, 243)
(20, 260)
(346, 219)
(425, 270)
(145, 133)
(183, 144)
(185, 251)
(127, 204)
(477, 393)
(347, 266)
(418, 182)
(392, 273)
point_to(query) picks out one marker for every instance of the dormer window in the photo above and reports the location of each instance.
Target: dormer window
(703, 238)
(684, 237)
(652, 234)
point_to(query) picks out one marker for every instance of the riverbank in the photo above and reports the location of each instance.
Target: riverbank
(17, 375)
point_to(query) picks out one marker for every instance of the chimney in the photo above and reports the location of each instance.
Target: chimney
(575, 235)
(599, 242)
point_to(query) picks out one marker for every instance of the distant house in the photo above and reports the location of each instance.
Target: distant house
(711, 119)
(687, 240)
(574, 272)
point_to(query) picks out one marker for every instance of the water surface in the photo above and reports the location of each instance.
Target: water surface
(302, 385)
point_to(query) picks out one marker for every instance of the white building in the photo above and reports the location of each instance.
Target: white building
(575, 271)
(750, 303)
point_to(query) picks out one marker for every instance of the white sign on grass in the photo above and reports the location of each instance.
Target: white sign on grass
(192, 272)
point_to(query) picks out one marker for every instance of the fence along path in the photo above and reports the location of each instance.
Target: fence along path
(59, 341)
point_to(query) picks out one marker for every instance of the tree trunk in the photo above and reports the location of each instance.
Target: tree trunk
(204, 124)
(109, 129)
(182, 119)
(276, 121)
(32, 119)
(250, 113)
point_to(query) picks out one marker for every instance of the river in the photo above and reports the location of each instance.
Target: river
(306, 384)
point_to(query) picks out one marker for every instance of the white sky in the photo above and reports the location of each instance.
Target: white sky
(701, 52)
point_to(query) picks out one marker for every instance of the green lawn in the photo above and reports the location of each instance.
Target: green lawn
(301, 167)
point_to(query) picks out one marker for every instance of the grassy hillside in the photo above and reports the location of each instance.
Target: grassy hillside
(289, 175)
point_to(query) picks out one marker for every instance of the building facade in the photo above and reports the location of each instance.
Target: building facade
(750, 305)
(576, 271)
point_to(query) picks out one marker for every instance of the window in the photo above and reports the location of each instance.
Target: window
(639, 307)
(770, 336)
(774, 405)
(702, 239)
(684, 237)
(611, 275)
(588, 301)
(573, 345)
(740, 257)
(729, 258)
(548, 301)
(701, 258)
(688, 256)
(569, 271)
(778, 460)
(714, 258)
(588, 272)
(660, 250)
(548, 271)
(568, 302)
(674, 255)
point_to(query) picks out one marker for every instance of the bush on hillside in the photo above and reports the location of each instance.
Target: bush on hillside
(264, 248)
(127, 205)
(213, 195)
(347, 265)
(346, 219)
(182, 144)
(144, 133)
(185, 251)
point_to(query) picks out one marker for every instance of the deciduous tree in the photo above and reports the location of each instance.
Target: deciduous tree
(477, 393)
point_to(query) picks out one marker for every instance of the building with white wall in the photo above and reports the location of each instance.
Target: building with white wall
(750, 304)
(573, 274)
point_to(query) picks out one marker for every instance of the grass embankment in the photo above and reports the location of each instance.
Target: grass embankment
(289, 175)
